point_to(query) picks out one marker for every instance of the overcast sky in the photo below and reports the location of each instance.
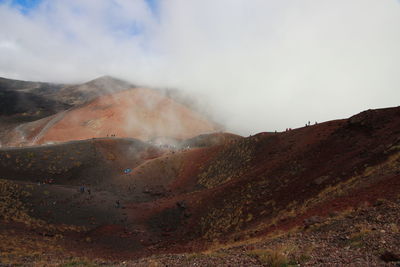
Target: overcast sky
(261, 65)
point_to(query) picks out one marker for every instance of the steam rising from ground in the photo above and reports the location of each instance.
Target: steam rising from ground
(261, 65)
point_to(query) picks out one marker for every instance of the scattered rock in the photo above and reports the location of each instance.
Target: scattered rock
(388, 256)
(321, 179)
(181, 204)
(313, 220)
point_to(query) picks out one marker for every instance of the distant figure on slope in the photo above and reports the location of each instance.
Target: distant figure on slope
(82, 189)
(117, 204)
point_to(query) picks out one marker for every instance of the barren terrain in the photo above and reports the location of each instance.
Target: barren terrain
(317, 195)
(131, 177)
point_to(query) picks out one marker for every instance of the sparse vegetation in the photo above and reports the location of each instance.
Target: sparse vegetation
(273, 200)
(78, 263)
(231, 162)
(273, 258)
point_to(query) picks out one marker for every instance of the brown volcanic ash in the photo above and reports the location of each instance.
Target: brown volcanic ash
(174, 201)
(140, 113)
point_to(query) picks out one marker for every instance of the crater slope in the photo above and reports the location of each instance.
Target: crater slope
(104, 107)
(145, 200)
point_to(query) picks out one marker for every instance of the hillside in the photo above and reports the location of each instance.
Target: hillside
(335, 185)
(82, 93)
(37, 113)
(22, 101)
(137, 113)
(68, 94)
(28, 101)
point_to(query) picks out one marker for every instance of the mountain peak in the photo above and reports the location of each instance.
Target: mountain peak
(109, 81)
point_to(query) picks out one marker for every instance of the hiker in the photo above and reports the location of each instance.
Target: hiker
(88, 190)
(82, 189)
(127, 170)
(117, 204)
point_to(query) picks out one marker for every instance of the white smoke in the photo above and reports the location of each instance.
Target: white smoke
(261, 65)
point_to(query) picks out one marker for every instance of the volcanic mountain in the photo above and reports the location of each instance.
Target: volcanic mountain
(320, 195)
(134, 176)
(108, 107)
(22, 101)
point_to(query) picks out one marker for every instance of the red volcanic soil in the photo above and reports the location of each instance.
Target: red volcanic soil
(278, 178)
(179, 201)
(212, 139)
(137, 113)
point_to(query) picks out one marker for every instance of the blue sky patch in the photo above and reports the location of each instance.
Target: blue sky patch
(23, 5)
(26, 5)
(153, 4)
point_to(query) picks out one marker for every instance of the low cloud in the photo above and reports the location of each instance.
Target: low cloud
(260, 65)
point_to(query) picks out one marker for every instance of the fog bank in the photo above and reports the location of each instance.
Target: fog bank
(258, 65)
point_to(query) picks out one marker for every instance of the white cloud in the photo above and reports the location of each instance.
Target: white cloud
(263, 65)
